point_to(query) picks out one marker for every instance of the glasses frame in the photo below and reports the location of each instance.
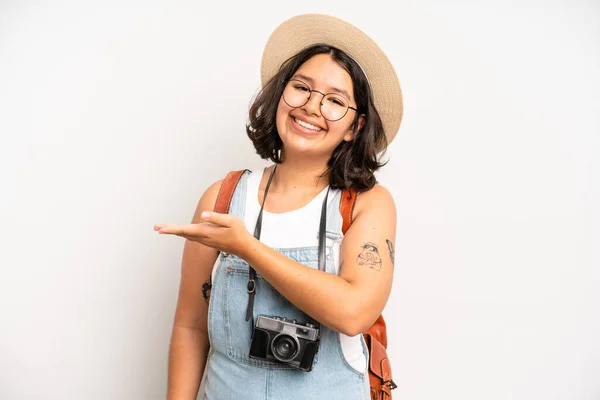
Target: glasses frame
(310, 92)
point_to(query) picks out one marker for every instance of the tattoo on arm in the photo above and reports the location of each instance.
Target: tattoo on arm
(392, 251)
(206, 289)
(369, 256)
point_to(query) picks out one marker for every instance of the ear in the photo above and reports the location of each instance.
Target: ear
(354, 129)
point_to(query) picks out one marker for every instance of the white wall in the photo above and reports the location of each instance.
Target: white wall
(114, 118)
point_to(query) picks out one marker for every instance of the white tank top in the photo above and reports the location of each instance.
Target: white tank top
(276, 232)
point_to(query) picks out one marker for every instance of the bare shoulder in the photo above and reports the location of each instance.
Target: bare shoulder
(212, 191)
(377, 200)
(207, 200)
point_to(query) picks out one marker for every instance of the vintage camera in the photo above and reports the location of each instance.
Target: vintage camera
(285, 341)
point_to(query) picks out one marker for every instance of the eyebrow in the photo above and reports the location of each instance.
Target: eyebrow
(333, 89)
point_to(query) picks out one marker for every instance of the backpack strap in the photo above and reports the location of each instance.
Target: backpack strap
(380, 371)
(226, 191)
(347, 202)
(222, 204)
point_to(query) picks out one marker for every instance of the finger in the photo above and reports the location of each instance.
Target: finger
(179, 230)
(225, 220)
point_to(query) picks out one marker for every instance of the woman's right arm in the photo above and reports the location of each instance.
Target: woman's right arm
(189, 340)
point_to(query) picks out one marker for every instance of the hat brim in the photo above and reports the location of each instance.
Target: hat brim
(301, 31)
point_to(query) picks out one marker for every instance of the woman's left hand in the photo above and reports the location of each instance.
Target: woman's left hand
(223, 232)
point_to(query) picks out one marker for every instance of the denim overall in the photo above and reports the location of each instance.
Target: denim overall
(230, 372)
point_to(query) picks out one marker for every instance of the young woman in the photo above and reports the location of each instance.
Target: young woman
(286, 313)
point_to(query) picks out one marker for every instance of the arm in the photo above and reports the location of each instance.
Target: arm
(351, 302)
(189, 340)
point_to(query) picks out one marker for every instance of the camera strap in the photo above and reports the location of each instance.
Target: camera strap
(251, 287)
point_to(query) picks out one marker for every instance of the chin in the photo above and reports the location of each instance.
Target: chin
(305, 148)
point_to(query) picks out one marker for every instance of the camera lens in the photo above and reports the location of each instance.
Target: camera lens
(284, 347)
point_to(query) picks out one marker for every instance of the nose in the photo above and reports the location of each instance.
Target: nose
(313, 105)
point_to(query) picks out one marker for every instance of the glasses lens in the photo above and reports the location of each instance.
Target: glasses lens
(296, 93)
(334, 107)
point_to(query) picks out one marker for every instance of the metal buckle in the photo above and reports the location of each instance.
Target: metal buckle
(251, 286)
(391, 384)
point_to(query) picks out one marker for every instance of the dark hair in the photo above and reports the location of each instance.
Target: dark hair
(353, 163)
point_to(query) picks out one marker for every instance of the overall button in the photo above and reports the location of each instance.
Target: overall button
(251, 286)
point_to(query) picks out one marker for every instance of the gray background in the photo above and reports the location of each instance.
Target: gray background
(115, 117)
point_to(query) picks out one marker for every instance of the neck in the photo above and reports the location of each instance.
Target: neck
(303, 175)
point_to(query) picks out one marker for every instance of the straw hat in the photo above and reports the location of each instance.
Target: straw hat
(302, 31)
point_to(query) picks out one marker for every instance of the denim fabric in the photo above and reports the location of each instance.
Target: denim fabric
(231, 373)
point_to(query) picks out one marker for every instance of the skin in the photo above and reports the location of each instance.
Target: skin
(349, 302)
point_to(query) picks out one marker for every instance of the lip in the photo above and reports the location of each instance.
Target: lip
(302, 129)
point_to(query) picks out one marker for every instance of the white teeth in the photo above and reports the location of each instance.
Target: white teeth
(307, 125)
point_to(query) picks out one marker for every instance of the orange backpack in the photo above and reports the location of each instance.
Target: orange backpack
(380, 371)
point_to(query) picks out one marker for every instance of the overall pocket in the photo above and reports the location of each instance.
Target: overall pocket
(267, 301)
(358, 350)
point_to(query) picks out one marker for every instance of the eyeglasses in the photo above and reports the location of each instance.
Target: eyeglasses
(333, 106)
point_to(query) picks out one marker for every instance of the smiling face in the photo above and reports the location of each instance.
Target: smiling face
(304, 130)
